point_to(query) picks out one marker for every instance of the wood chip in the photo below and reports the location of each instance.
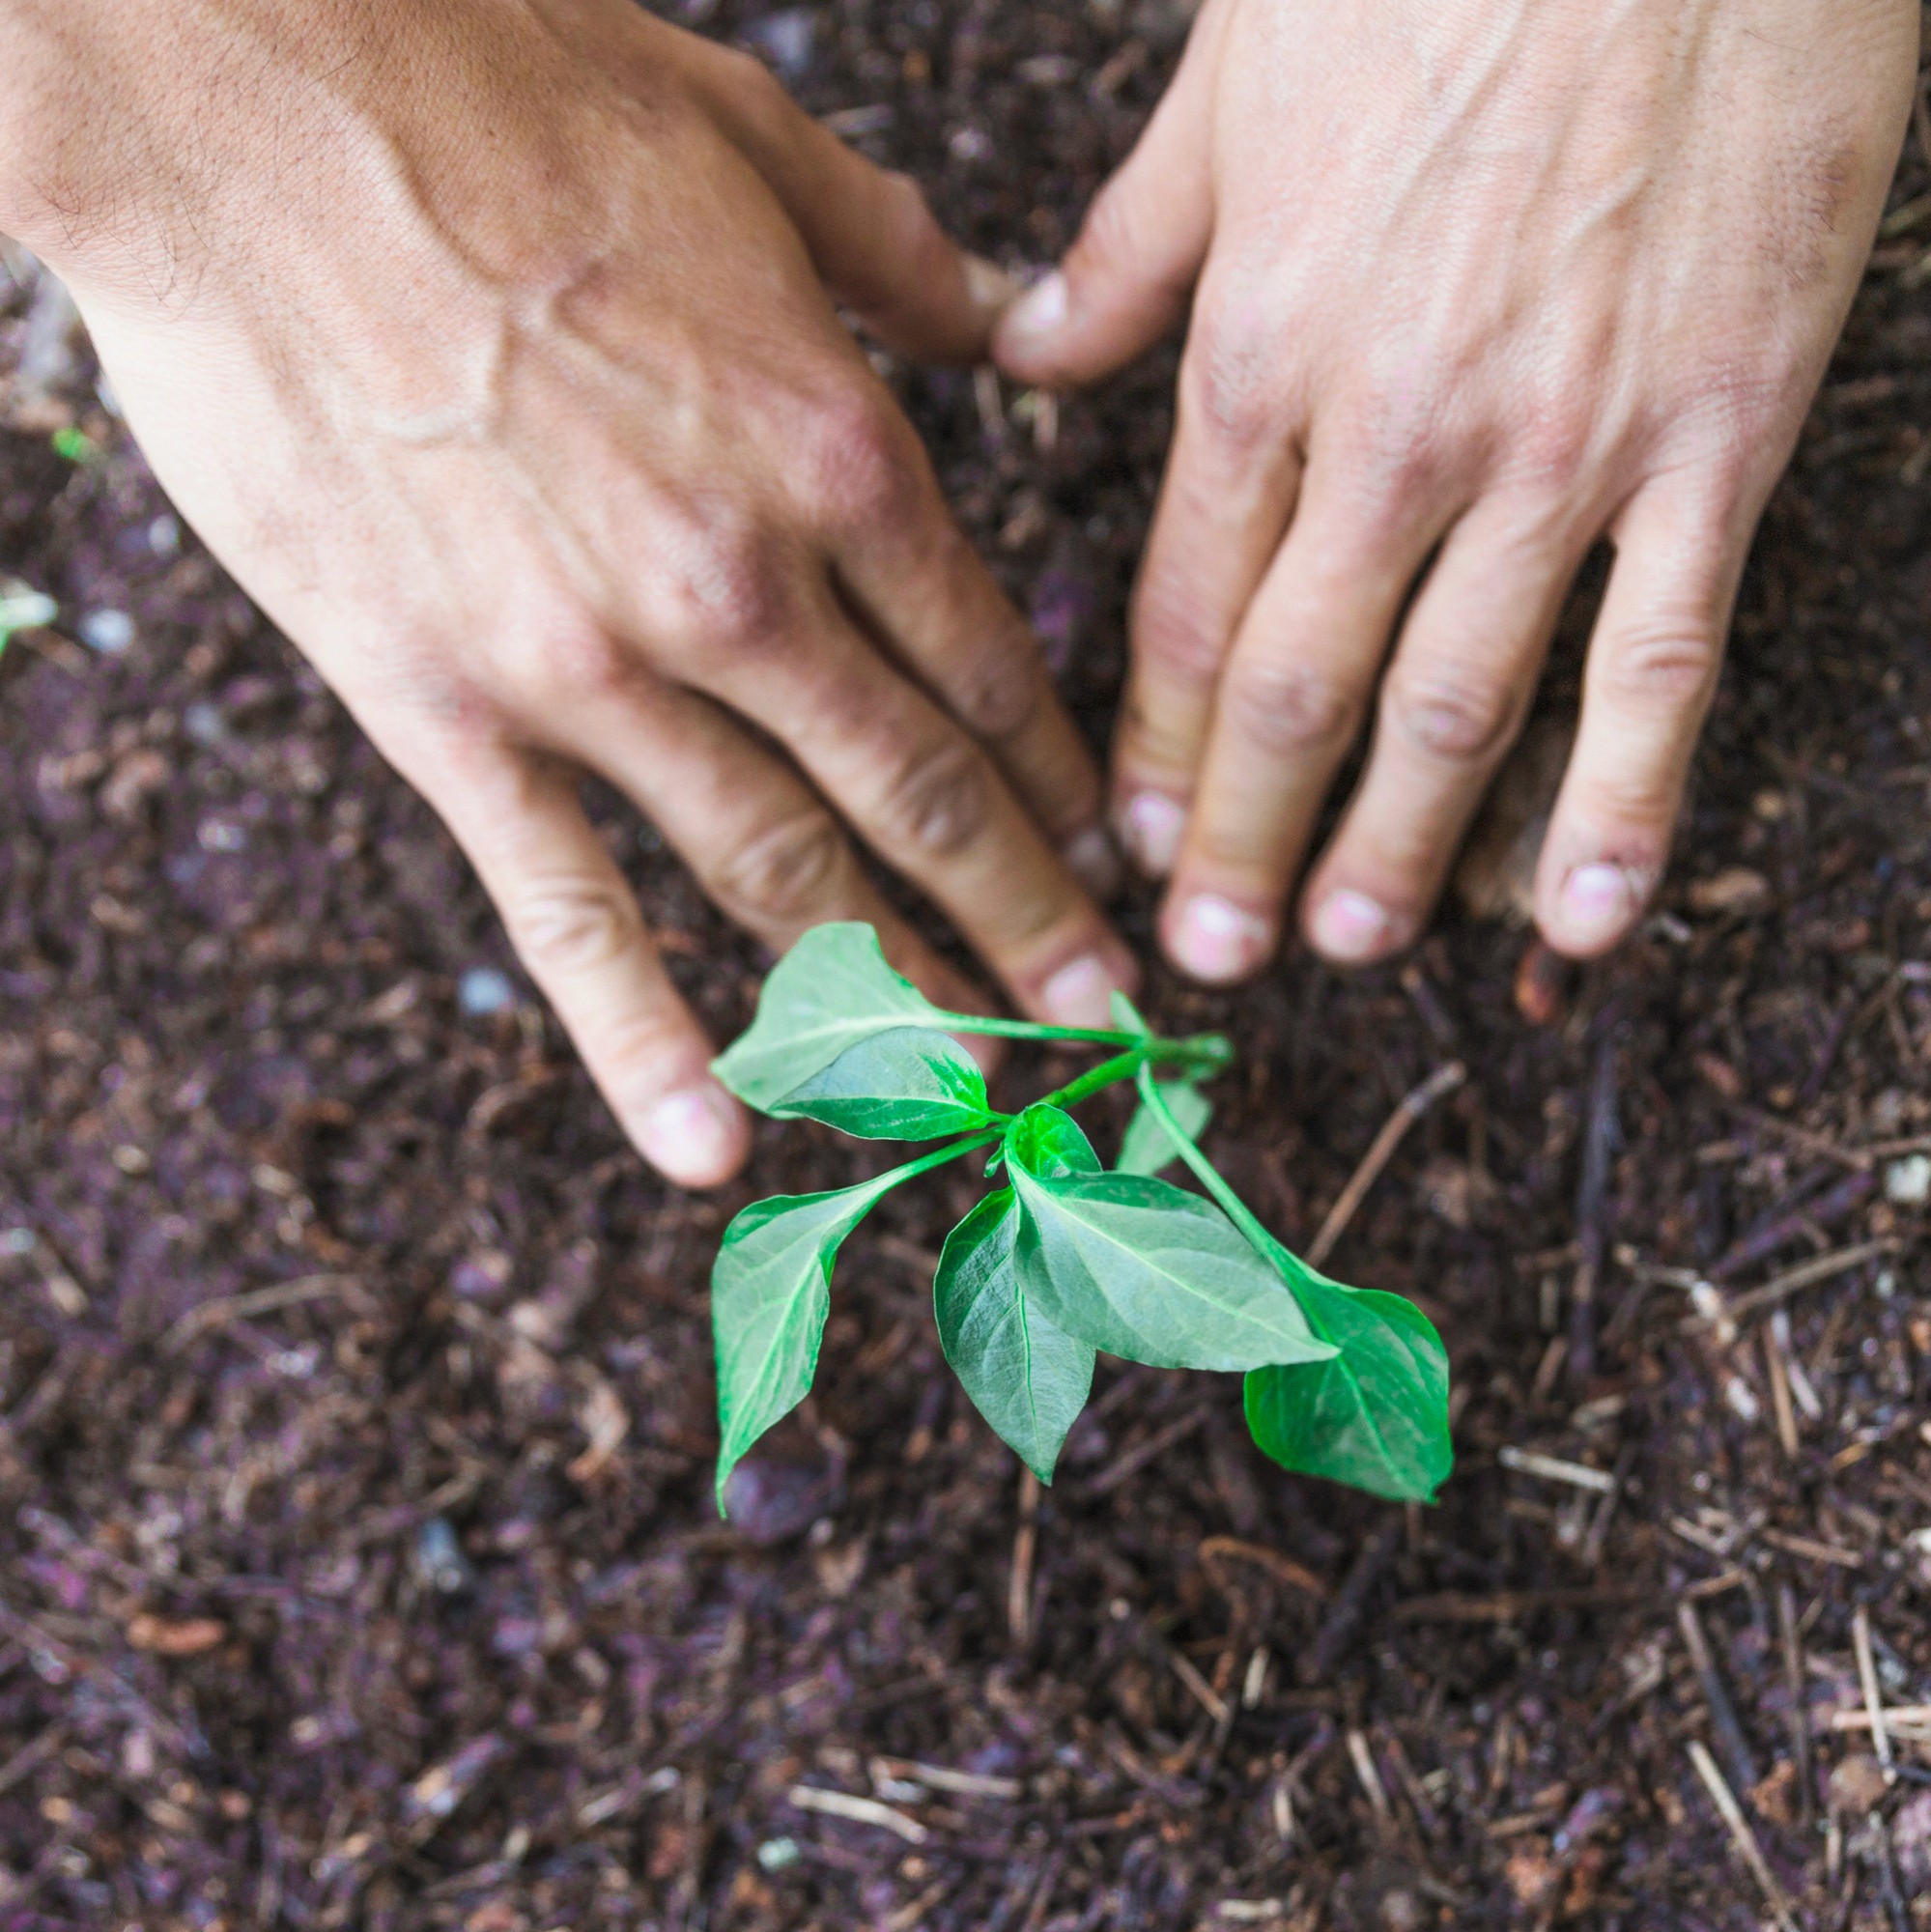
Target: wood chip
(858, 1811)
(166, 1636)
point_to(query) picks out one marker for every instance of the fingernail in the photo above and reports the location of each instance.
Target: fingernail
(1094, 860)
(991, 289)
(1150, 828)
(1215, 939)
(1040, 313)
(1598, 903)
(1349, 926)
(695, 1136)
(1081, 994)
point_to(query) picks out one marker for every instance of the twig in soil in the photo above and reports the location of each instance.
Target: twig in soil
(1806, 1274)
(1592, 1200)
(1337, 1627)
(1443, 1081)
(1216, 1551)
(227, 1308)
(1504, 1606)
(1830, 1206)
(1203, 1694)
(1820, 1145)
(1370, 1775)
(1597, 1539)
(1860, 1641)
(1781, 1405)
(1555, 1469)
(1741, 1835)
(29, 1755)
(1132, 1460)
(1796, 1716)
(1025, 1547)
(1808, 1548)
(857, 1810)
(940, 1777)
(1723, 1720)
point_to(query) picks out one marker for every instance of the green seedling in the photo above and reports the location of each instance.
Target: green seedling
(1065, 1258)
(23, 609)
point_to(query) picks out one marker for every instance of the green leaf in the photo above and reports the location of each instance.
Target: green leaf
(1377, 1416)
(1029, 1379)
(1047, 1142)
(1149, 1146)
(831, 991)
(910, 1084)
(1126, 1015)
(1140, 1270)
(770, 1290)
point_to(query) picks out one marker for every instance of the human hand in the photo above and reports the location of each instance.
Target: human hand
(1471, 288)
(489, 345)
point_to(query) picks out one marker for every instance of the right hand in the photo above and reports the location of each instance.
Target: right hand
(491, 347)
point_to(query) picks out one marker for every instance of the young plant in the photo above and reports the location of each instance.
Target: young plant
(22, 610)
(1063, 1257)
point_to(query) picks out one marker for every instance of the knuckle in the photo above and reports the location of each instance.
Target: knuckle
(585, 664)
(1175, 635)
(1669, 662)
(1289, 709)
(731, 588)
(1229, 380)
(568, 924)
(857, 471)
(999, 693)
(784, 872)
(940, 801)
(1461, 712)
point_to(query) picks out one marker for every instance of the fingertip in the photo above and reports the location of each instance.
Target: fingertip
(1080, 993)
(1350, 928)
(698, 1137)
(1029, 331)
(991, 291)
(1213, 940)
(1151, 827)
(1595, 905)
(1094, 860)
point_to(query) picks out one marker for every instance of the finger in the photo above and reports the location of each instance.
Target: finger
(575, 925)
(1450, 706)
(1123, 283)
(1288, 708)
(929, 802)
(1226, 500)
(1653, 667)
(914, 575)
(870, 233)
(766, 849)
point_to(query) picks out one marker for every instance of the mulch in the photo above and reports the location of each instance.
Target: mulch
(357, 1562)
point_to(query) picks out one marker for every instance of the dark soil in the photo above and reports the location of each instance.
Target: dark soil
(358, 1565)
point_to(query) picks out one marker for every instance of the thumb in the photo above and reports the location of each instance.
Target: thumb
(1124, 282)
(870, 233)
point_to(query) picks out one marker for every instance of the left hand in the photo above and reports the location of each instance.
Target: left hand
(1476, 286)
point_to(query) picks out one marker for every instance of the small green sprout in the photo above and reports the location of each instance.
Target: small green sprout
(23, 609)
(1065, 1258)
(74, 445)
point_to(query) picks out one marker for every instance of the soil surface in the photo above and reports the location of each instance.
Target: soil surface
(357, 1562)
